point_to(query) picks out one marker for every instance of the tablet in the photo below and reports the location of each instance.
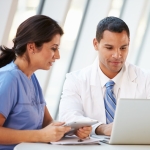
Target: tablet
(78, 124)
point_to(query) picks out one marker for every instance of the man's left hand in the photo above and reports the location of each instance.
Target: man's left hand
(83, 132)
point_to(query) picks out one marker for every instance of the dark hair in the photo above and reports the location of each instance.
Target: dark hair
(38, 29)
(112, 24)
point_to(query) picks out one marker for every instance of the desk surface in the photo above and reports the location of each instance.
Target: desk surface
(39, 146)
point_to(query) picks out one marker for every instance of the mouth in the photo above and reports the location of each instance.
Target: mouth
(116, 63)
(51, 63)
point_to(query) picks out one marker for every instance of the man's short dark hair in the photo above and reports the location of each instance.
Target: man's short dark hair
(112, 24)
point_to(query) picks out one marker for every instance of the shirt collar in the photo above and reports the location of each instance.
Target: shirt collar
(104, 79)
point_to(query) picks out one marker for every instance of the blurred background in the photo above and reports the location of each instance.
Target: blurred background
(79, 19)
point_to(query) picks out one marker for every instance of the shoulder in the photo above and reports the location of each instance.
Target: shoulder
(140, 72)
(8, 83)
(81, 74)
(77, 79)
(10, 77)
(8, 73)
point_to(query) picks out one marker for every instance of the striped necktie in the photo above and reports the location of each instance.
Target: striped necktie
(110, 102)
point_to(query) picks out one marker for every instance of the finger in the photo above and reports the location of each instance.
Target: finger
(62, 129)
(58, 137)
(87, 128)
(57, 123)
(83, 134)
(84, 131)
(67, 129)
(78, 135)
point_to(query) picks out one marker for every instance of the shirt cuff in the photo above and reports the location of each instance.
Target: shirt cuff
(94, 128)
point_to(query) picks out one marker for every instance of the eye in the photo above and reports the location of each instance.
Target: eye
(54, 48)
(123, 48)
(109, 48)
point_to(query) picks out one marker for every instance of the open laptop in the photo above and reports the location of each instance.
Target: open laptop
(131, 123)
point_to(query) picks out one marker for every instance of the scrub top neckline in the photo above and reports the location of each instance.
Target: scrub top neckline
(15, 66)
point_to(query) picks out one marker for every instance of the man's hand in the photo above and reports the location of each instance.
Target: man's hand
(104, 129)
(83, 132)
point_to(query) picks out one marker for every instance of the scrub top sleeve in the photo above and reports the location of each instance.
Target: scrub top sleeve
(8, 93)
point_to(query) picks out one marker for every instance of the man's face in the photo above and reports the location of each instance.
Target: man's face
(112, 50)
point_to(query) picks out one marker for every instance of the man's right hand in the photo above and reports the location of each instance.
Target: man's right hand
(104, 129)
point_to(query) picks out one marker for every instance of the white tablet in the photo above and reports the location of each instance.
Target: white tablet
(78, 124)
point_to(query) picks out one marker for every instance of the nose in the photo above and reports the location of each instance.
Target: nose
(57, 55)
(116, 54)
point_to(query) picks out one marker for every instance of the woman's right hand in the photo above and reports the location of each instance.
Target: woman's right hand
(53, 132)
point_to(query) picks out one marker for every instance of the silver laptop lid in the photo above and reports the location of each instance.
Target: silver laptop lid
(132, 122)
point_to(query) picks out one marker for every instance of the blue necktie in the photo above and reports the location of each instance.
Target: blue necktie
(110, 102)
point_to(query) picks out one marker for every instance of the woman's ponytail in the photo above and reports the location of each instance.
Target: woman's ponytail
(6, 55)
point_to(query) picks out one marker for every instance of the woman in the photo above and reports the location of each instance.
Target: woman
(24, 116)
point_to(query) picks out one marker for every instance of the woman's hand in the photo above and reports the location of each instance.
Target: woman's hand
(83, 132)
(54, 132)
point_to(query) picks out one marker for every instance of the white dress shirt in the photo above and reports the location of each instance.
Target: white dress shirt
(117, 80)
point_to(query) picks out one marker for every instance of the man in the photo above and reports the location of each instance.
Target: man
(92, 93)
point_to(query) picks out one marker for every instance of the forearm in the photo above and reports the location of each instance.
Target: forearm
(104, 129)
(100, 129)
(47, 122)
(11, 136)
(47, 118)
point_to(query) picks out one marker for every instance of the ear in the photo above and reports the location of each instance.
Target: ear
(95, 43)
(31, 48)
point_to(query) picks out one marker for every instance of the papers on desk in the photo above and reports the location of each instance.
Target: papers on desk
(73, 140)
(102, 138)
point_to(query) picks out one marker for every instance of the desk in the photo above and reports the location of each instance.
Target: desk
(41, 146)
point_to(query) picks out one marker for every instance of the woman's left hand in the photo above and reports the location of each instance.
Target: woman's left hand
(83, 132)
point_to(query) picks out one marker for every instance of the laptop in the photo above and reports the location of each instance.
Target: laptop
(131, 123)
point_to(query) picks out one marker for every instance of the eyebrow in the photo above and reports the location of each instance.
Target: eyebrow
(107, 45)
(55, 45)
(112, 45)
(125, 45)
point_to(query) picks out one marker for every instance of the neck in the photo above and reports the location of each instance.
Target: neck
(109, 74)
(25, 66)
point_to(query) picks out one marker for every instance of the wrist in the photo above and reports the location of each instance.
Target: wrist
(38, 136)
(100, 130)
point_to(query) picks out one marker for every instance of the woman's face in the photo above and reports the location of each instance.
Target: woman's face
(44, 58)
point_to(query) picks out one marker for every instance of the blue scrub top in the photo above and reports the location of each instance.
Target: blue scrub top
(21, 100)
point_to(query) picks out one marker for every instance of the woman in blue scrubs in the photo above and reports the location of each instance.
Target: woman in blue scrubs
(24, 116)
